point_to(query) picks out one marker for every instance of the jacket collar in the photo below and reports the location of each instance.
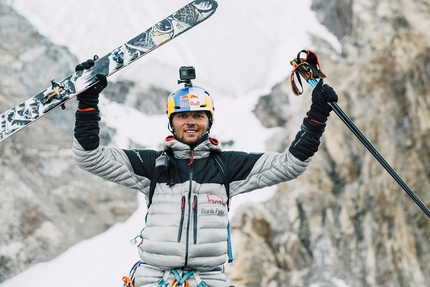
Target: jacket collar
(183, 151)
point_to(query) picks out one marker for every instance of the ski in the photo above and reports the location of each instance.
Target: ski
(27, 112)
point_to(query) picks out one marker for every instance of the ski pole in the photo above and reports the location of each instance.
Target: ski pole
(310, 69)
(356, 131)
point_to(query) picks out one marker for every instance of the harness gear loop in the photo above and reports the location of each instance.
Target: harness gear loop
(163, 281)
(199, 281)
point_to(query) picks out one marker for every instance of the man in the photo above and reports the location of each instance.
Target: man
(188, 184)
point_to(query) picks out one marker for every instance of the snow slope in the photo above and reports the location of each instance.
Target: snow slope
(239, 54)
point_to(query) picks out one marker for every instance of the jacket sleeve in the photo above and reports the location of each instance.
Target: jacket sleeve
(109, 163)
(268, 169)
(273, 168)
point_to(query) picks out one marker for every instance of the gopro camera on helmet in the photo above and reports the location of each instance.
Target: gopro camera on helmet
(186, 74)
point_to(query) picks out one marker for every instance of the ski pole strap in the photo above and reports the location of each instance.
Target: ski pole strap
(307, 67)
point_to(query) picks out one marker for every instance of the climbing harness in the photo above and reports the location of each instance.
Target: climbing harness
(181, 281)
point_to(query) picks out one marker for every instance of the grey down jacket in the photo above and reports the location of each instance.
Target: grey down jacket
(187, 220)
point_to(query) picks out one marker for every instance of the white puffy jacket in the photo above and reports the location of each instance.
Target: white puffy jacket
(187, 220)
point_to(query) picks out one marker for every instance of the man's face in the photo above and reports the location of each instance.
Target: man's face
(189, 127)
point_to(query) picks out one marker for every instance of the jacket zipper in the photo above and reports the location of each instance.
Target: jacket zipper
(190, 164)
(181, 223)
(195, 218)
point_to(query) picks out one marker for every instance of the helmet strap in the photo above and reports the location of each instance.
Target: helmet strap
(169, 127)
(211, 120)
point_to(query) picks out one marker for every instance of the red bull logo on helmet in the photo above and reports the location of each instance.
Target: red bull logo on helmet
(189, 100)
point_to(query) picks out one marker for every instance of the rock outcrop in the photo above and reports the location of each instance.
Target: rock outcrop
(346, 222)
(47, 203)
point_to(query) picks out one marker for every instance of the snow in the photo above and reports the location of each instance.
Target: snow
(239, 54)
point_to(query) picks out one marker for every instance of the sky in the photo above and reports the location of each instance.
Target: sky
(239, 53)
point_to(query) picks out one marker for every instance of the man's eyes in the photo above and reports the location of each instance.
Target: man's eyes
(194, 116)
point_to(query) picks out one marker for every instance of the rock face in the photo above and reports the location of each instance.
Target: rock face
(47, 203)
(346, 222)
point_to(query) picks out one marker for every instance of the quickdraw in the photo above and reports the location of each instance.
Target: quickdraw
(127, 281)
(308, 67)
(178, 281)
(184, 284)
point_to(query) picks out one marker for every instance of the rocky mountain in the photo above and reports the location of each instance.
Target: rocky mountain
(346, 222)
(47, 203)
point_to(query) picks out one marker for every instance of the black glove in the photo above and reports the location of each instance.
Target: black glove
(87, 116)
(321, 96)
(84, 65)
(90, 98)
(307, 139)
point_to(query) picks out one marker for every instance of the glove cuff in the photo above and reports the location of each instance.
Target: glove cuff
(319, 111)
(87, 100)
(87, 129)
(312, 127)
(307, 140)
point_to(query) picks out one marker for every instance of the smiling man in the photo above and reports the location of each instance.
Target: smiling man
(188, 184)
(189, 127)
(190, 111)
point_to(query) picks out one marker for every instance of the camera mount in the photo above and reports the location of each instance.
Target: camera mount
(186, 74)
